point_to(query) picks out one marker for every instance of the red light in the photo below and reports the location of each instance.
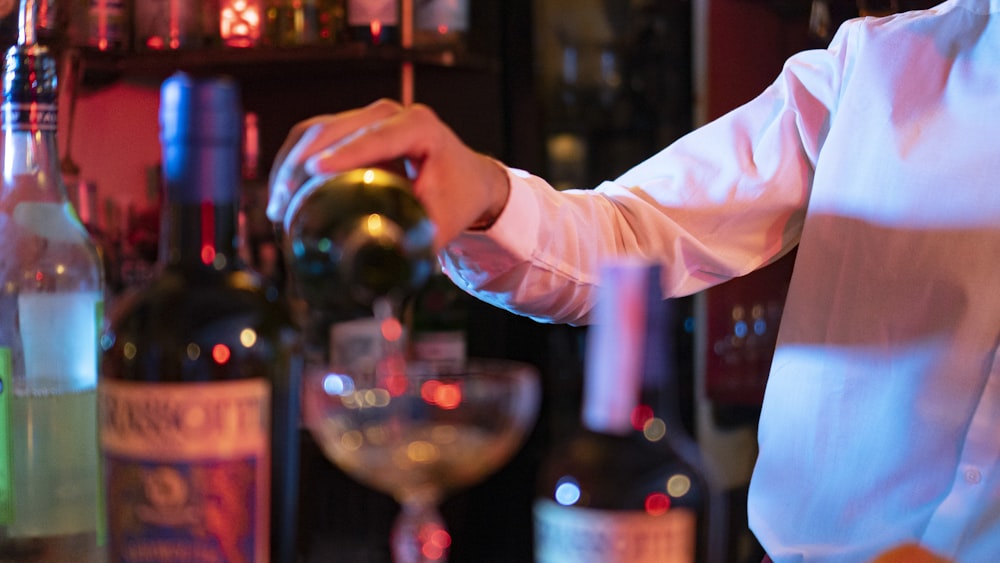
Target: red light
(220, 353)
(657, 504)
(394, 368)
(448, 396)
(392, 330)
(207, 254)
(427, 390)
(376, 31)
(434, 542)
(445, 395)
(640, 416)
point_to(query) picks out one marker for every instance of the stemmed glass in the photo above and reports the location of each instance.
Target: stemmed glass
(418, 431)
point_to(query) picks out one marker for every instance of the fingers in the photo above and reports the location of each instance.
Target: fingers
(410, 132)
(310, 137)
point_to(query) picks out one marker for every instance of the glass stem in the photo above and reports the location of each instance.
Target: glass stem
(420, 535)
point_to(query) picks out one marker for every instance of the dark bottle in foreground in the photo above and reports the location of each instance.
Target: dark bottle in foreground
(198, 398)
(51, 307)
(359, 245)
(628, 486)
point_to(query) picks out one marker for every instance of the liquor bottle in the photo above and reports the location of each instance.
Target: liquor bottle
(109, 28)
(374, 22)
(629, 481)
(441, 25)
(358, 245)
(167, 24)
(357, 237)
(199, 390)
(51, 307)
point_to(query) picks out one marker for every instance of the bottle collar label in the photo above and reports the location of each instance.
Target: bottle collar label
(29, 116)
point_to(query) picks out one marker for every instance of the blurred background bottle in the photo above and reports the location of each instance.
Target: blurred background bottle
(440, 25)
(109, 25)
(305, 22)
(374, 22)
(209, 355)
(51, 308)
(630, 479)
(167, 24)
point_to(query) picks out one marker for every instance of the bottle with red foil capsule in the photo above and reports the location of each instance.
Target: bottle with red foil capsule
(629, 485)
(199, 391)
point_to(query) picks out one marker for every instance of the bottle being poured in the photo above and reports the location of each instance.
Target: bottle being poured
(358, 245)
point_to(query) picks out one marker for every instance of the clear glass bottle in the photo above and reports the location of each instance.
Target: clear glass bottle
(630, 480)
(201, 369)
(51, 308)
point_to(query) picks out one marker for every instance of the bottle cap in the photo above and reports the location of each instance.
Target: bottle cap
(201, 130)
(200, 110)
(29, 88)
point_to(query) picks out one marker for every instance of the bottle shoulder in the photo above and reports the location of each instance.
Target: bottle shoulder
(47, 249)
(214, 327)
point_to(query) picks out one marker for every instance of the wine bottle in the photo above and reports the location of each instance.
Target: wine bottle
(373, 22)
(358, 245)
(199, 392)
(51, 308)
(357, 237)
(628, 486)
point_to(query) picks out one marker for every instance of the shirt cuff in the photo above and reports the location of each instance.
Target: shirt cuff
(478, 256)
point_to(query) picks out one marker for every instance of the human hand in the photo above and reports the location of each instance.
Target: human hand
(459, 187)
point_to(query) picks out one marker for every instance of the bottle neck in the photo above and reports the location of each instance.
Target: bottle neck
(630, 384)
(200, 213)
(30, 154)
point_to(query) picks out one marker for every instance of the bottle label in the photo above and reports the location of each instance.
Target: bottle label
(6, 463)
(187, 470)
(59, 336)
(29, 117)
(586, 535)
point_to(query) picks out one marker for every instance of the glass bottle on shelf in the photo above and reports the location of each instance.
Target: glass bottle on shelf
(51, 309)
(209, 357)
(304, 22)
(109, 27)
(374, 22)
(165, 24)
(630, 479)
(441, 25)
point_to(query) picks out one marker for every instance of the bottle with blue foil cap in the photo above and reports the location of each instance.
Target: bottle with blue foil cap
(199, 388)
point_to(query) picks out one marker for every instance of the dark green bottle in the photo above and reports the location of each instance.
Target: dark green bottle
(199, 392)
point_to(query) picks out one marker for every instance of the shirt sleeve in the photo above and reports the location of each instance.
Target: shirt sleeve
(720, 202)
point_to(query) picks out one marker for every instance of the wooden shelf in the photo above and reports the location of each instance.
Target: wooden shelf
(102, 68)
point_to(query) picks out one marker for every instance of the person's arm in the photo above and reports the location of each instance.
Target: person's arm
(719, 203)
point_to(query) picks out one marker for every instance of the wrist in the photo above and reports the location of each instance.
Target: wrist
(499, 190)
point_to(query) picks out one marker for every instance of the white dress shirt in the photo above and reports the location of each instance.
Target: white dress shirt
(880, 158)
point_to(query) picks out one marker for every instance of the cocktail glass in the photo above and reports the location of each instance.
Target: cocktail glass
(418, 431)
